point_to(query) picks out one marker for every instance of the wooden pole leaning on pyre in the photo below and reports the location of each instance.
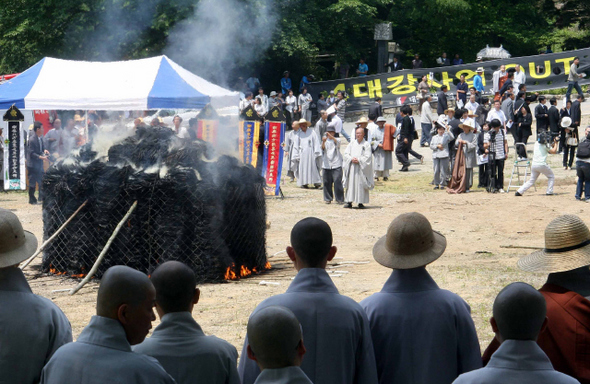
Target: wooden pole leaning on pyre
(104, 250)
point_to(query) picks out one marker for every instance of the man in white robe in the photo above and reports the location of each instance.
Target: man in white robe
(32, 328)
(335, 328)
(276, 345)
(421, 333)
(382, 159)
(519, 315)
(305, 153)
(289, 141)
(102, 353)
(179, 343)
(357, 171)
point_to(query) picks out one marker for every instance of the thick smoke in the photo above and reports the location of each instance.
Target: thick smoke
(223, 36)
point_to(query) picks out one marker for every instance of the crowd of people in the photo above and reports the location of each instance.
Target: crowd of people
(411, 331)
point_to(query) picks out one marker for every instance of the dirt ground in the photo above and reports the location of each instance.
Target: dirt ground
(475, 265)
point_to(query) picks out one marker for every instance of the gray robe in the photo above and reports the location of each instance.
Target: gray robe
(335, 332)
(32, 328)
(189, 356)
(382, 160)
(288, 375)
(102, 355)
(517, 362)
(421, 333)
(469, 149)
(357, 179)
(306, 151)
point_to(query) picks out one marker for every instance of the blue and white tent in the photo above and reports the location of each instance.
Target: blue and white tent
(154, 83)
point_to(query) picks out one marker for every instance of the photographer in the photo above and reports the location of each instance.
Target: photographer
(583, 167)
(543, 146)
(498, 149)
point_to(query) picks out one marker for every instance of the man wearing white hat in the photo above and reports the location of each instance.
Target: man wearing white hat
(469, 140)
(478, 81)
(32, 328)
(305, 153)
(421, 333)
(566, 257)
(382, 159)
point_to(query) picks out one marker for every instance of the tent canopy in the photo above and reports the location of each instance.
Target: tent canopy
(153, 83)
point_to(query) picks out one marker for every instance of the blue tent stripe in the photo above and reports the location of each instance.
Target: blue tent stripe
(16, 90)
(171, 91)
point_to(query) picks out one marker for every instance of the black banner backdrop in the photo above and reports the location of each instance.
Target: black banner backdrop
(543, 72)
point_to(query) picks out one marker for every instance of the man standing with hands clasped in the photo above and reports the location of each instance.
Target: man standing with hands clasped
(37, 153)
(332, 166)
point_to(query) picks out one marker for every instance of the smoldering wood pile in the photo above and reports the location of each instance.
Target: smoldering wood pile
(210, 215)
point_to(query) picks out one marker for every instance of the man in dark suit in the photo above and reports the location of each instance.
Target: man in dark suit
(37, 153)
(542, 115)
(577, 112)
(442, 100)
(376, 109)
(554, 117)
(395, 65)
(508, 83)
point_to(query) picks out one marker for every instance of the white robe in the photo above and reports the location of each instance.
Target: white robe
(289, 141)
(189, 356)
(306, 151)
(357, 178)
(382, 160)
(32, 328)
(102, 355)
(335, 328)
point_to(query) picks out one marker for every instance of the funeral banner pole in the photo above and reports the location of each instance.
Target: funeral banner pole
(14, 151)
(249, 135)
(274, 151)
(208, 125)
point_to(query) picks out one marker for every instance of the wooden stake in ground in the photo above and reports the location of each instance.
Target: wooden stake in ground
(53, 236)
(104, 250)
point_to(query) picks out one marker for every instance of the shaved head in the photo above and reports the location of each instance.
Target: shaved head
(274, 337)
(128, 296)
(311, 238)
(519, 312)
(175, 285)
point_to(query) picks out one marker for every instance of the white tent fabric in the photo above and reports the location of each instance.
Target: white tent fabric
(152, 83)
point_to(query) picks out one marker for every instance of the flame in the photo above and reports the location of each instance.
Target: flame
(57, 273)
(232, 274)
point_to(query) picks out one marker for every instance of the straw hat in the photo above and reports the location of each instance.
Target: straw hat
(362, 122)
(449, 109)
(566, 122)
(16, 245)
(479, 69)
(410, 243)
(467, 124)
(471, 113)
(567, 247)
(304, 122)
(380, 119)
(331, 110)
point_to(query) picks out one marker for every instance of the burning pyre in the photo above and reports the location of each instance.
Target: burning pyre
(210, 215)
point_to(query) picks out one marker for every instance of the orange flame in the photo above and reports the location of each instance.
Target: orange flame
(57, 273)
(232, 274)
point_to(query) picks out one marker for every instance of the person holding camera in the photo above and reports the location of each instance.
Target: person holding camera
(583, 167)
(543, 147)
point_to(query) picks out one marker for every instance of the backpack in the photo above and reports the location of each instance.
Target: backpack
(584, 149)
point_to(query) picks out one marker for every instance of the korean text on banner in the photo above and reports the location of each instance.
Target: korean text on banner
(272, 166)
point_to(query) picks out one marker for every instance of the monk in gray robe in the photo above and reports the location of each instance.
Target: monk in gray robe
(32, 328)
(335, 328)
(276, 345)
(382, 159)
(421, 333)
(102, 354)
(289, 141)
(357, 171)
(179, 343)
(519, 315)
(305, 153)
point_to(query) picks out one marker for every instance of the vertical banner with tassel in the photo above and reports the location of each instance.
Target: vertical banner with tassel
(208, 125)
(274, 150)
(249, 136)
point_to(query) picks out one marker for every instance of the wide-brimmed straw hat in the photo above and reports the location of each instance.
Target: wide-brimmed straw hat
(362, 121)
(304, 122)
(16, 245)
(467, 124)
(410, 243)
(449, 109)
(471, 113)
(566, 122)
(567, 247)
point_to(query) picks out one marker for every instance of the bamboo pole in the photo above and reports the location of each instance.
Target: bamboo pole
(519, 247)
(104, 250)
(60, 229)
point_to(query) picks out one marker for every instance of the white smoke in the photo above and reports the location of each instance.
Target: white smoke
(222, 36)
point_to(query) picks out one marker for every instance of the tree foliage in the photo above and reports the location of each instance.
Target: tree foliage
(339, 30)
